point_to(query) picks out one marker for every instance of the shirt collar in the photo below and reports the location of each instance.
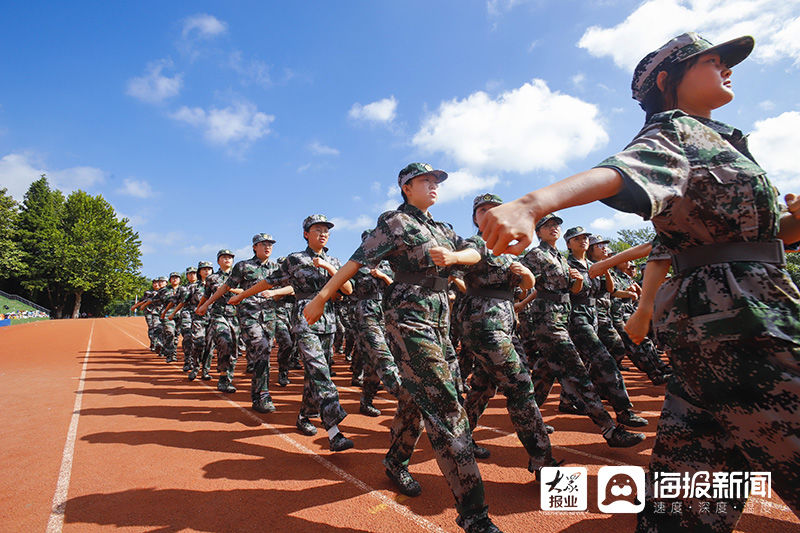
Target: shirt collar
(312, 253)
(415, 211)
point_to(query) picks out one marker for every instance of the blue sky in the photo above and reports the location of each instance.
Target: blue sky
(205, 123)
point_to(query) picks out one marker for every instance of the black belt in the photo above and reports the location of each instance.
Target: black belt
(582, 300)
(490, 293)
(434, 283)
(728, 252)
(557, 297)
(378, 297)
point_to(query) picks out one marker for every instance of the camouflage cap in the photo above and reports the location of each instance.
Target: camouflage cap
(487, 198)
(597, 239)
(225, 251)
(681, 48)
(162, 278)
(546, 218)
(191, 269)
(418, 169)
(316, 219)
(174, 274)
(261, 237)
(204, 264)
(577, 231)
(281, 259)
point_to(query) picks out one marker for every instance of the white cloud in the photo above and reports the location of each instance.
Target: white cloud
(252, 71)
(767, 105)
(775, 24)
(153, 86)
(525, 129)
(618, 221)
(303, 168)
(462, 183)
(774, 143)
(360, 223)
(318, 148)
(240, 123)
(137, 188)
(383, 111)
(203, 26)
(497, 7)
(18, 171)
(578, 79)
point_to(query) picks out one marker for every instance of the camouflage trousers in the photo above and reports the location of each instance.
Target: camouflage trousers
(258, 335)
(286, 347)
(158, 335)
(603, 369)
(319, 392)
(429, 395)
(559, 359)
(223, 331)
(610, 337)
(169, 339)
(186, 336)
(731, 407)
(152, 329)
(497, 365)
(200, 355)
(372, 348)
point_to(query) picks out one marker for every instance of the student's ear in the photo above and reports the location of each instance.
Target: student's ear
(661, 80)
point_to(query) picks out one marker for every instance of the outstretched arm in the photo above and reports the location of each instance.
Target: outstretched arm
(631, 254)
(514, 221)
(314, 309)
(255, 289)
(201, 309)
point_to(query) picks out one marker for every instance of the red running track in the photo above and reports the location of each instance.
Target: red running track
(99, 434)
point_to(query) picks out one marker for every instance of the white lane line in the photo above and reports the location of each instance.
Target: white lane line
(56, 520)
(370, 491)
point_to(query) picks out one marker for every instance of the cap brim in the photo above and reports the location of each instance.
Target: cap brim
(577, 235)
(732, 52)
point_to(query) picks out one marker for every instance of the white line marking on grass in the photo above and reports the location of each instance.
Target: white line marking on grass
(374, 493)
(56, 521)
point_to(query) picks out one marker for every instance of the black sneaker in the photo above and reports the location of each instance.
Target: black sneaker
(340, 443)
(482, 525)
(407, 484)
(622, 438)
(537, 470)
(283, 378)
(631, 419)
(369, 409)
(186, 367)
(192, 375)
(549, 429)
(170, 359)
(225, 386)
(571, 409)
(480, 452)
(306, 427)
(264, 405)
(206, 376)
(356, 382)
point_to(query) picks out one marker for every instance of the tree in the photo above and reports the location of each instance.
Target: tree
(793, 266)
(99, 253)
(631, 237)
(40, 237)
(11, 260)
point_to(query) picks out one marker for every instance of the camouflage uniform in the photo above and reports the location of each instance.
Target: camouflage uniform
(185, 314)
(150, 317)
(549, 319)
(167, 327)
(287, 351)
(487, 321)
(370, 335)
(602, 368)
(200, 354)
(732, 329)
(256, 321)
(314, 342)
(223, 327)
(417, 321)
